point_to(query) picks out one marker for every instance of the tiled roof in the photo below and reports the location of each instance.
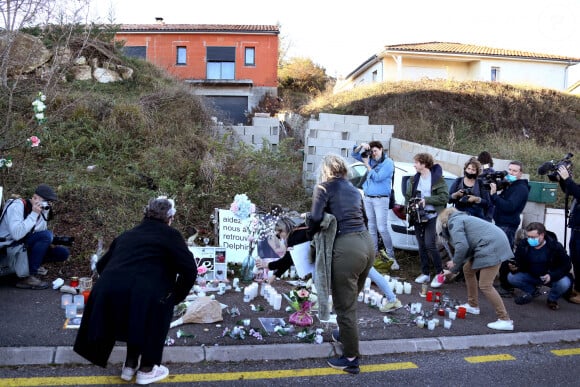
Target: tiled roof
(469, 49)
(200, 28)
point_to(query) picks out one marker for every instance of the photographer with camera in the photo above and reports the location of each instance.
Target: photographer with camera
(570, 187)
(467, 193)
(509, 204)
(377, 189)
(24, 225)
(428, 192)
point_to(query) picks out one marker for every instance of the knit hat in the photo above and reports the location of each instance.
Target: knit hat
(46, 192)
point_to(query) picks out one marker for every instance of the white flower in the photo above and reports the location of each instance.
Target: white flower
(39, 116)
(301, 335)
(319, 331)
(8, 163)
(40, 107)
(42, 97)
(318, 339)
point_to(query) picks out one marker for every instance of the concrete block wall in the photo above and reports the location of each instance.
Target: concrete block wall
(263, 128)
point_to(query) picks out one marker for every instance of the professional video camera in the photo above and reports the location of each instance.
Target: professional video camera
(415, 213)
(551, 167)
(497, 177)
(63, 240)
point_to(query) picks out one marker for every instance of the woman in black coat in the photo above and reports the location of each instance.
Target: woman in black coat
(144, 274)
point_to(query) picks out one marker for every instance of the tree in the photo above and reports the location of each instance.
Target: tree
(302, 75)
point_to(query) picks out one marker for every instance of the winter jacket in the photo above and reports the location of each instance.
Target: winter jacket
(476, 209)
(572, 189)
(477, 240)
(557, 265)
(14, 226)
(379, 178)
(439, 190)
(510, 203)
(144, 274)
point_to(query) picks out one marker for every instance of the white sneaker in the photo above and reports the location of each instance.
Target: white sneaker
(389, 306)
(422, 278)
(395, 265)
(502, 325)
(470, 309)
(157, 373)
(438, 281)
(127, 373)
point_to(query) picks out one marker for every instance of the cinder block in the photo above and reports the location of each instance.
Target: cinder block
(331, 118)
(359, 120)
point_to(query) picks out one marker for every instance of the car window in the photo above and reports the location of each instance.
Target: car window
(357, 174)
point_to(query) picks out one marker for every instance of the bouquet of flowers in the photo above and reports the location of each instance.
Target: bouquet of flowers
(300, 300)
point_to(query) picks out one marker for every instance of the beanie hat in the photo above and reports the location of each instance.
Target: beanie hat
(46, 192)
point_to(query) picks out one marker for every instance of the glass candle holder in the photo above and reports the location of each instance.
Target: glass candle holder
(70, 311)
(66, 299)
(79, 301)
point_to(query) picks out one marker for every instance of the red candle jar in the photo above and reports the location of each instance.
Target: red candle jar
(86, 295)
(461, 312)
(430, 296)
(441, 312)
(74, 282)
(437, 296)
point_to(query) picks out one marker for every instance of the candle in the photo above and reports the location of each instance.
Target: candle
(431, 325)
(437, 296)
(399, 288)
(65, 299)
(452, 314)
(424, 289)
(85, 283)
(447, 324)
(79, 301)
(430, 296)
(407, 288)
(461, 312)
(86, 294)
(421, 322)
(71, 311)
(367, 283)
(236, 282)
(74, 282)
(436, 321)
(277, 302)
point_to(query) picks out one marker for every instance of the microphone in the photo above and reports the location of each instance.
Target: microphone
(545, 168)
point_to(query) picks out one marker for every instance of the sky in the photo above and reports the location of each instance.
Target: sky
(341, 37)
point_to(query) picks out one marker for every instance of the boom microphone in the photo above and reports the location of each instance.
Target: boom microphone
(545, 168)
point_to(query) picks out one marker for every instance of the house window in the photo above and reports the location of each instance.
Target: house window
(250, 57)
(221, 62)
(181, 55)
(135, 51)
(495, 74)
(375, 75)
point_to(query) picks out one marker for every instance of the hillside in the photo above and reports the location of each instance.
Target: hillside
(507, 121)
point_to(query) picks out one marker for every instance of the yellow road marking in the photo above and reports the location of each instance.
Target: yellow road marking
(209, 377)
(566, 352)
(489, 358)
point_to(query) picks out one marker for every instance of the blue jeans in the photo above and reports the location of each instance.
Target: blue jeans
(504, 270)
(426, 239)
(382, 283)
(377, 210)
(40, 250)
(528, 283)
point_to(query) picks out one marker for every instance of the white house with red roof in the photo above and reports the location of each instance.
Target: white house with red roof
(461, 62)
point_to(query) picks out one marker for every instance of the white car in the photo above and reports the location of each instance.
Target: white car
(402, 236)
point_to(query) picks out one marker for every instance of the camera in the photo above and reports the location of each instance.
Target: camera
(551, 167)
(498, 178)
(415, 213)
(466, 193)
(365, 154)
(63, 240)
(45, 206)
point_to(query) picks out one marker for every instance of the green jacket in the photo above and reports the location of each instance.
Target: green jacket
(439, 190)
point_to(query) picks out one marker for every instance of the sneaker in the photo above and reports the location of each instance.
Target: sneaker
(470, 309)
(573, 297)
(335, 336)
(438, 281)
(42, 270)
(502, 325)
(395, 265)
(389, 306)
(157, 373)
(553, 305)
(525, 298)
(127, 373)
(422, 278)
(31, 282)
(342, 363)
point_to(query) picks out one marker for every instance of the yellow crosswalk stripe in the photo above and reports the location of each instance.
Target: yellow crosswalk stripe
(204, 377)
(489, 358)
(566, 352)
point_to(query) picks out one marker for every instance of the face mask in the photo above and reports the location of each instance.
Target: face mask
(470, 175)
(511, 178)
(534, 242)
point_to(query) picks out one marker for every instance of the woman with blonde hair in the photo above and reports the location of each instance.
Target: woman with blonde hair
(479, 247)
(353, 253)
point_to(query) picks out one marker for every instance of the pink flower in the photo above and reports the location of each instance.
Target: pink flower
(201, 270)
(34, 141)
(234, 207)
(303, 293)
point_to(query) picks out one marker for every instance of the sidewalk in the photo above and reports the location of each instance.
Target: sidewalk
(32, 330)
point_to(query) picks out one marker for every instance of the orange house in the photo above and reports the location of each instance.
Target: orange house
(232, 66)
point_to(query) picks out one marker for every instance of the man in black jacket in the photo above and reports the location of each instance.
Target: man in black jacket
(571, 188)
(540, 260)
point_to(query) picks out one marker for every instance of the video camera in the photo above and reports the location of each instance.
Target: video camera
(416, 214)
(551, 167)
(63, 240)
(498, 178)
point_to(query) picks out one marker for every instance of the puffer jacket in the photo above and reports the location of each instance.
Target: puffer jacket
(557, 265)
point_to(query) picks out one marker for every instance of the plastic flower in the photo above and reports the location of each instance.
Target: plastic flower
(242, 207)
(6, 163)
(33, 141)
(201, 270)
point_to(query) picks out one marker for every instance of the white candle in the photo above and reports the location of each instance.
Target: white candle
(447, 324)
(277, 301)
(65, 299)
(79, 301)
(452, 314)
(367, 283)
(431, 325)
(71, 311)
(399, 288)
(236, 282)
(361, 297)
(407, 288)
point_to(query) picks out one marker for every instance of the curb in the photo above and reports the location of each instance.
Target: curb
(10, 356)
